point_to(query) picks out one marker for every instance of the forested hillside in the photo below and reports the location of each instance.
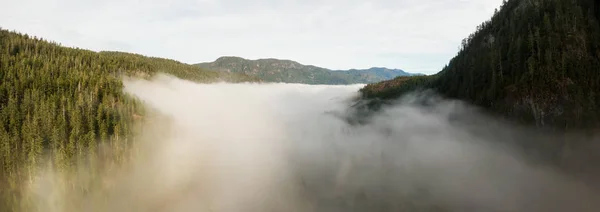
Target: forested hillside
(274, 70)
(68, 102)
(535, 61)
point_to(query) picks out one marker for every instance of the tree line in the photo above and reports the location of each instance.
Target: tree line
(63, 107)
(535, 61)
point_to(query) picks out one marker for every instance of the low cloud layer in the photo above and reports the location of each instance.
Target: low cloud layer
(285, 147)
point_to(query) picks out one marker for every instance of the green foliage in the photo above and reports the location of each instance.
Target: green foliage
(396, 87)
(273, 70)
(66, 103)
(535, 61)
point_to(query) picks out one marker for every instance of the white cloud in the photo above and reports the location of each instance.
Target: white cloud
(287, 147)
(415, 35)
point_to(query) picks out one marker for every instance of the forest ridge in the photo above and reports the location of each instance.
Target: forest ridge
(534, 61)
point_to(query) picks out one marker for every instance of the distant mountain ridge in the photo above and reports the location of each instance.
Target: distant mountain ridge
(276, 70)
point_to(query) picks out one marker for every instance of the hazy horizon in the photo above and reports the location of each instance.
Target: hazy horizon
(416, 36)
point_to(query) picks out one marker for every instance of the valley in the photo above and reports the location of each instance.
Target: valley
(510, 123)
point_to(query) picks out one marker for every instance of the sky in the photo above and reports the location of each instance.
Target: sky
(413, 35)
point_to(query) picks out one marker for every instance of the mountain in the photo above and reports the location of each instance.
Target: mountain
(376, 74)
(69, 103)
(274, 70)
(535, 61)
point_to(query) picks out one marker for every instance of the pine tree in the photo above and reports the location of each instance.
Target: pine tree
(67, 102)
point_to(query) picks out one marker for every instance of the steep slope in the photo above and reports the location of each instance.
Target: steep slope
(535, 61)
(68, 103)
(273, 70)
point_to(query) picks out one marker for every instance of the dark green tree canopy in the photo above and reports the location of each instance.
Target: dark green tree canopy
(535, 61)
(64, 102)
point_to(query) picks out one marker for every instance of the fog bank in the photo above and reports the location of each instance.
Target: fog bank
(287, 147)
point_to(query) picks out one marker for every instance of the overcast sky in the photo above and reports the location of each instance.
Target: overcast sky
(414, 35)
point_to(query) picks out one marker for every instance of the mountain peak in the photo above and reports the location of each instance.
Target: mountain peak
(228, 58)
(289, 71)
